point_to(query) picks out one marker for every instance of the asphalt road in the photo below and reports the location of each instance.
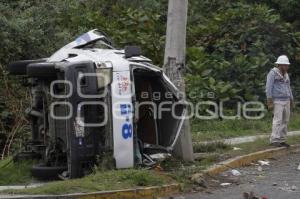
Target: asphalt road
(280, 180)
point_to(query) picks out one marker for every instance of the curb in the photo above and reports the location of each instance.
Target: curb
(248, 159)
(148, 192)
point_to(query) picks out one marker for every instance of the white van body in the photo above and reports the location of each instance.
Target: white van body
(92, 103)
(122, 90)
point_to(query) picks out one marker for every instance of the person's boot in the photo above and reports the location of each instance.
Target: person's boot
(276, 144)
(284, 144)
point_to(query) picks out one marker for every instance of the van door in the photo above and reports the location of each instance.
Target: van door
(160, 110)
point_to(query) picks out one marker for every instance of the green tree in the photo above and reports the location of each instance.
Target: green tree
(235, 47)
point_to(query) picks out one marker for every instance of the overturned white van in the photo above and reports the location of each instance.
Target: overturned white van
(89, 98)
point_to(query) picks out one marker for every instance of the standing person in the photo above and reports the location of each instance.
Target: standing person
(280, 99)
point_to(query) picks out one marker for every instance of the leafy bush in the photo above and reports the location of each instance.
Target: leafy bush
(235, 47)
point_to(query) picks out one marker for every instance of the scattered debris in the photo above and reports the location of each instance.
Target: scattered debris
(236, 149)
(260, 177)
(199, 179)
(249, 196)
(215, 181)
(160, 156)
(225, 184)
(198, 188)
(288, 188)
(178, 197)
(235, 172)
(259, 168)
(264, 162)
(293, 188)
(298, 168)
(158, 168)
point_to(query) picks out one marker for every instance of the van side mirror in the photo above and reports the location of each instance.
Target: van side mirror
(132, 51)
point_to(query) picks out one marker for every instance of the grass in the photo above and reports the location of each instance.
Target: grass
(212, 147)
(15, 173)
(208, 130)
(100, 181)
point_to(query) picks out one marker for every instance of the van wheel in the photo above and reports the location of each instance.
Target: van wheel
(19, 67)
(43, 172)
(41, 70)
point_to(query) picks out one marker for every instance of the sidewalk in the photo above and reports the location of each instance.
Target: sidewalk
(245, 139)
(21, 186)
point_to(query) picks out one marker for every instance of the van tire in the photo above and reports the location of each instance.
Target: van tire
(43, 172)
(41, 70)
(20, 67)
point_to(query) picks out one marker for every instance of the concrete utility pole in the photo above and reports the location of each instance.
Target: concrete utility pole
(174, 63)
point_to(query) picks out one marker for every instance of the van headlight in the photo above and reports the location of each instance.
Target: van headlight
(104, 75)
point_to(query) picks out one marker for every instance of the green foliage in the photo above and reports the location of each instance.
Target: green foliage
(13, 124)
(288, 9)
(236, 46)
(30, 30)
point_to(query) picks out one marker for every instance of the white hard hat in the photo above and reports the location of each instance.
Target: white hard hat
(283, 59)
